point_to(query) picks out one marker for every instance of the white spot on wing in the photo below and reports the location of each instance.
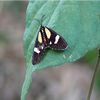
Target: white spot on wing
(36, 50)
(50, 42)
(56, 39)
(41, 47)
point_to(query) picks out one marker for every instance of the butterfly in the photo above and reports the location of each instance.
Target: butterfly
(46, 38)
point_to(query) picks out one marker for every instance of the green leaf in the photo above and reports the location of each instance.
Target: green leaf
(77, 22)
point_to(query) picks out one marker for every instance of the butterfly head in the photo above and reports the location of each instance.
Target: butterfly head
(42, 28)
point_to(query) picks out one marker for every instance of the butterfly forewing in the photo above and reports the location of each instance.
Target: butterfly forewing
(38, 50)
(55, 41)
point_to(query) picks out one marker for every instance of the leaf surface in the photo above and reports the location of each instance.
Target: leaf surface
(77, 22)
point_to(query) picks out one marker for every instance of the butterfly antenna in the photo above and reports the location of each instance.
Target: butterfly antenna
(42, 19)
(38, 21)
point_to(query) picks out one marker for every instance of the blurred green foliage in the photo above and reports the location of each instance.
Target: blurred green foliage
(3, 39)
(15, 6)
(98, 80)
(91, 57)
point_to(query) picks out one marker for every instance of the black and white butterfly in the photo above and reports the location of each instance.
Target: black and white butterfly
(46, 38)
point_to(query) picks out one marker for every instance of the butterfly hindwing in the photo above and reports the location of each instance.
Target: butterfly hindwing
(55, 41)
(38, 50)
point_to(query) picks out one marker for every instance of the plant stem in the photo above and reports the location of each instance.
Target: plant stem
(94, 76)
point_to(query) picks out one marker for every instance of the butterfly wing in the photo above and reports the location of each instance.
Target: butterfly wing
(38, 50)
(55, 41)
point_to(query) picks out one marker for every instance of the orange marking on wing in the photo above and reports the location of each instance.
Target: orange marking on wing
(42, 30)
(44, 40)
